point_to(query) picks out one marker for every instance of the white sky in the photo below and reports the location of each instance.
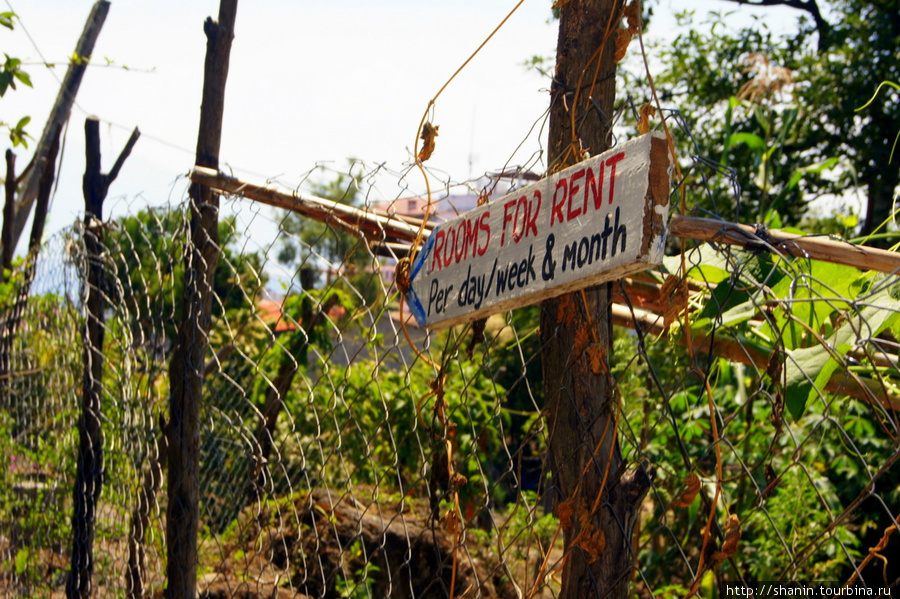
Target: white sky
(309, 82)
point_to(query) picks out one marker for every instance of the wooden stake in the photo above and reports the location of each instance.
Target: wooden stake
(89, 469)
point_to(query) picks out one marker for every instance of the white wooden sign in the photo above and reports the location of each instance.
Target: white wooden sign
(599, 220)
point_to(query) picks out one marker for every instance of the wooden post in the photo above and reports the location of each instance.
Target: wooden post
(6, 258)
(593, 496)
(9, 215)
(187, 365)
(59, 114)
(89, 473)
(13, 311)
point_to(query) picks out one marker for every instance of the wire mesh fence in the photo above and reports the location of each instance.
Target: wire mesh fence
(345, 452)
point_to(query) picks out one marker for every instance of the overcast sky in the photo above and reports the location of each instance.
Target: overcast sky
(310, 82)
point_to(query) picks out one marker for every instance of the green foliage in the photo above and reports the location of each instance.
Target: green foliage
(148, 250)
(11, 72)
(356, 584)
(780, 110)
(308, 241)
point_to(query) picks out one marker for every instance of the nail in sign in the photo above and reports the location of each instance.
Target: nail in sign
(599, 220)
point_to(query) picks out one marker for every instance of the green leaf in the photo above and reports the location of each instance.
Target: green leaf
(708, 273)
(23, 77)
(6, 19)
(21, 560)
(772, 219)
(807, 370)
(754, 142)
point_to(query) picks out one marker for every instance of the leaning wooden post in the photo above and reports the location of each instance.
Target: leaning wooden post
(186, 367)
(59, 114)
(594, 498)
(89, 473)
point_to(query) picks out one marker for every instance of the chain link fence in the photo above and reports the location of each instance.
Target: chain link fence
(347, 453)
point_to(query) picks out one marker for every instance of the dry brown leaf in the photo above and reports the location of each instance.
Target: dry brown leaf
(564, 512)
(429, 132)
(646, 113)
(581, 339)
(594, 545)
(691, 488)
(732, 537)
(632, 14)
(597, 356)
(451, 521)
(623, 38)
(673, 298)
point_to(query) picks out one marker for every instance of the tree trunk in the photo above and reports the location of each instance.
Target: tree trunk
(593, 496)
(187, 365)
(880, 189)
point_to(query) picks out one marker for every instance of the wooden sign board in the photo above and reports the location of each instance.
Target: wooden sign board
(597, 221)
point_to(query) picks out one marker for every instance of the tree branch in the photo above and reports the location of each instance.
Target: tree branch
(808, 6)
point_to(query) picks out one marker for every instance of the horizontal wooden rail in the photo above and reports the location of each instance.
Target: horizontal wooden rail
(816, 247)
(373, 225)
(650, 323)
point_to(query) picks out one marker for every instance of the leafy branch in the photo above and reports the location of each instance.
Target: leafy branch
(10, 73)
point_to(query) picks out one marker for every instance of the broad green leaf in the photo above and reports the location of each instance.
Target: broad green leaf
(708, 274)
(23, 77)
(722, 300)
(807, 370)
(21, 560)
(818, 290)
(754, 142)
(772, 219)
(739, 314)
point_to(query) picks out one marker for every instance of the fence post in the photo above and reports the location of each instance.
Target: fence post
(89, 473)
(186, 368)
(594, 498)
